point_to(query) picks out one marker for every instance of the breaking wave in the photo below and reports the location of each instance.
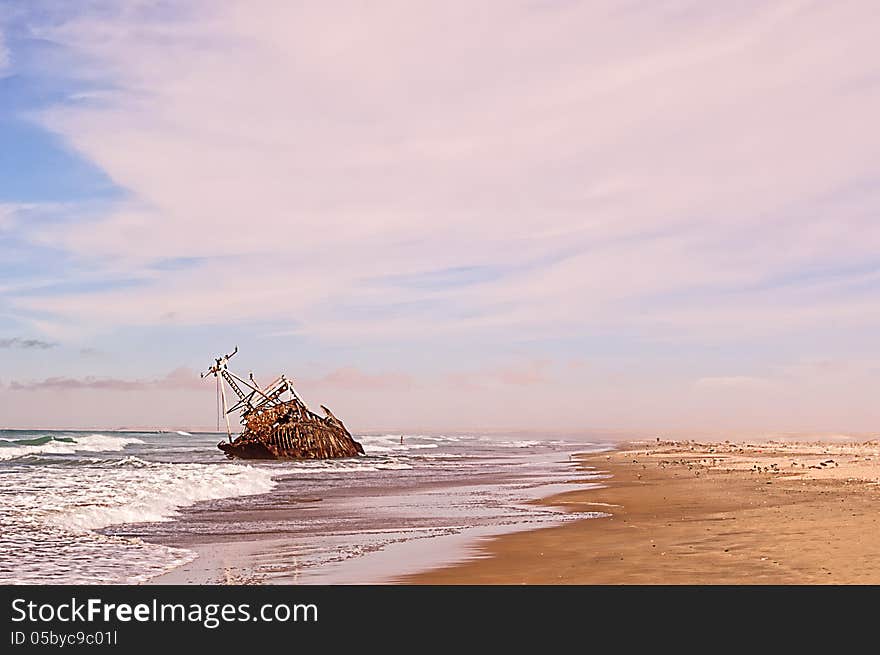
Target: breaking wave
(51, 520)
(57, 445)
(97, 498)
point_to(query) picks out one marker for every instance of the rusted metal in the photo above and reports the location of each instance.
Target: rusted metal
(276, 422)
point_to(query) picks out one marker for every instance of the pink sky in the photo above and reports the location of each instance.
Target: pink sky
(448, 215)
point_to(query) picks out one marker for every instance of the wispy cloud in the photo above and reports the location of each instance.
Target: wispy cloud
(7, 216)
(516, 374)
(592, 178)
(350, 377)
(733, 382)
(4, 51)
(26, 344)
(581, 179)
(180, 378)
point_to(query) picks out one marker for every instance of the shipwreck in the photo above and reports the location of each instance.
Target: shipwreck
(276, 423)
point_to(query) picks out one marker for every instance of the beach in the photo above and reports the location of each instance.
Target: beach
(167, 508)
(682, 512)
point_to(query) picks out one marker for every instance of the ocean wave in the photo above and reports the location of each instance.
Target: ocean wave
(395, 438)
(49, 520)
(529, 443)
(389, 443)
(54, 445)
(33, 441)
(516, 443)
(132, 462)
(374, 448)
(345, 466)
(134, 495)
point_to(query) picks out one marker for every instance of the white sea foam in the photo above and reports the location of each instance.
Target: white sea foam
(130, 461)
(343, 467)
(139, 491)
(401, 448)
(50, 519)
(94, 443)
(391, 443)
(518, 443)
(408, 437)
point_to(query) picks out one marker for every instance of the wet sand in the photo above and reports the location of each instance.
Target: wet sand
(701, 513)
(317, 527)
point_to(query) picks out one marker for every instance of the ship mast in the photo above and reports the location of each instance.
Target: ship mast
(257, 399)
(218, 370)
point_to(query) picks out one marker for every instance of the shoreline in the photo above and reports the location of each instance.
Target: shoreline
(701, 513)
(390, 528)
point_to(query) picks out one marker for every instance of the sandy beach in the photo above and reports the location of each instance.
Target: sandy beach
(703, 513)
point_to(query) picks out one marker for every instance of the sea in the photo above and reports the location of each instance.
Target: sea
(126, 507)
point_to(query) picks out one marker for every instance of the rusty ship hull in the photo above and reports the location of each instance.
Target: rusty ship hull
(292, 432)
(276, 422)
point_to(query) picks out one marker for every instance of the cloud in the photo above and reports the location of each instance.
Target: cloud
(573, 180)
(828, 381)
(351, 377)
(732, 382)
(595, 176)
(524, 375)
(7, 215)
(26, 344)
(4, 51)
(178, 379)
(518, 374)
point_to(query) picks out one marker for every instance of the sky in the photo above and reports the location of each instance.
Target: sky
(531, 215)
